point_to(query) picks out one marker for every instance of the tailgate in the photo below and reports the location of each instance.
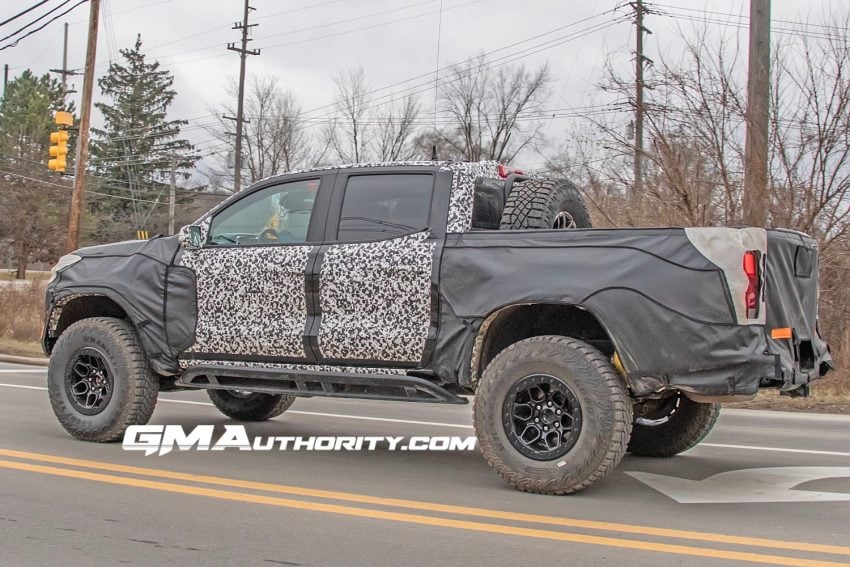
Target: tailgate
(791, 294)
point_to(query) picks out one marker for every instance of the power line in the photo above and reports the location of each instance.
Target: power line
(318, 26)
(316, 38)
(839, 29)
(19, 14)
(35, 21)
(50, 21)
(67, 187)
(147, 5)
(498, 62)
(217, 28)
(741, 24)
(486, 53)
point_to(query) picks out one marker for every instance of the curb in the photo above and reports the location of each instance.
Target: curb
(31, 360)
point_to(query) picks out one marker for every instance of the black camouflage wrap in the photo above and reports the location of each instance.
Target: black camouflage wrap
(792, 301)
(138, 276)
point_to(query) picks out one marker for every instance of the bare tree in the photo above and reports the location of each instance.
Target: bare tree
(493, 112)
(347, 134)
(810, 127)
(695, 124)
(274, 140)
(395, 125)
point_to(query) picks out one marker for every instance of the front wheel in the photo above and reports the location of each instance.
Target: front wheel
(99, 380)
(250, 406)
(672, 425)
(551, 415)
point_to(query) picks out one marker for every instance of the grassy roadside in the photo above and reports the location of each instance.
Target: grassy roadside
(32, 275)
(20, 348)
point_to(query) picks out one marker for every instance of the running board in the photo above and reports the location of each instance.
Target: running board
(314, 383)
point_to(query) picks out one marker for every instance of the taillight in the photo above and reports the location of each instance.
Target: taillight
(751, 296)
(504, 171)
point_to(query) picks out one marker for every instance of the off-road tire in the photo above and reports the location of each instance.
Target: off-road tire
(134, 385)
(689, 425)
(605, 407)
(255, 407)
(536, 203)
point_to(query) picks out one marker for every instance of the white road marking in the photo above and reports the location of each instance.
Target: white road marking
(461, 426)
(24, 387)
(23, 371)
(784, 450)
(770, 484)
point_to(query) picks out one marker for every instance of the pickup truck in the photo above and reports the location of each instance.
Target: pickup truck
(433, 282)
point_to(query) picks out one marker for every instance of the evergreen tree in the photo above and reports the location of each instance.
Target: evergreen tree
(33, 201)
(133, 152)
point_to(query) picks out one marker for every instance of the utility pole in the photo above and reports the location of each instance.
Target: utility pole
(64, 72)
(240, 118)
(78, 195)
(5, 77)
(756, 198)
(172, 196)
(640, 60)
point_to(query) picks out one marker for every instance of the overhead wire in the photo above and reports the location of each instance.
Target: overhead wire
(38, 29)
(23, 12)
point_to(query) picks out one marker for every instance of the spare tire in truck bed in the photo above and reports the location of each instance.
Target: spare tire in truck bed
(544, 203)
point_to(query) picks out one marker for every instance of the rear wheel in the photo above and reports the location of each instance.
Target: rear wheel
(673, 425)
(99, 380)
(250, 406)
(551, 415)
(545, 203)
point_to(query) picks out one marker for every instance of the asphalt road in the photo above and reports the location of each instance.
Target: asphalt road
(65, 502)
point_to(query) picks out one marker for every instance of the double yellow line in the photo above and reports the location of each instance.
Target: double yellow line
(97, 471)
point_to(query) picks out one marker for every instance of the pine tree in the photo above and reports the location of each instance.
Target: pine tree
(133, 151)
(33, 201)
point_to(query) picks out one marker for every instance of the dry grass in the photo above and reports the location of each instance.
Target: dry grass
(32, 275)
(22, 307)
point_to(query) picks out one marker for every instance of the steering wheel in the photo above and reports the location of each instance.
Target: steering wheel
(272, 235)
(269, 235)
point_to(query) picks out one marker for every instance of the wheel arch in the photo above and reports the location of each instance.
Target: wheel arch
(509, 324)
(77, 306)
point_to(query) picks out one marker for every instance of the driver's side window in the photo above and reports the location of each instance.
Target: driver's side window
(275, 215)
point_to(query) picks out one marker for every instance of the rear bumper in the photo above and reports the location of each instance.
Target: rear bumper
(726, 363)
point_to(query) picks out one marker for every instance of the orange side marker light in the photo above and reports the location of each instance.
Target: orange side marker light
(781, 333)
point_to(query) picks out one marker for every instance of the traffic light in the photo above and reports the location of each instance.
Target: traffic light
(59, 142)
(58, 151)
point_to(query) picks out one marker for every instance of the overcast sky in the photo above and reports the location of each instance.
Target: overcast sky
(306, 42)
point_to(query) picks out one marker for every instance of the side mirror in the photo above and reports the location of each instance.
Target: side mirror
(190, 237)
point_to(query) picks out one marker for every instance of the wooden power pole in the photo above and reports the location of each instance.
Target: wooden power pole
(172, 195)
(78, 195)
(756, 199)
(64, 72)
(240, 118)
(640, 61)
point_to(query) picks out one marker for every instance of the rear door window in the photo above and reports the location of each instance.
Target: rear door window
(384, 206)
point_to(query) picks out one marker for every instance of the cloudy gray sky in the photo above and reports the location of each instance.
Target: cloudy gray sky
(306, 42)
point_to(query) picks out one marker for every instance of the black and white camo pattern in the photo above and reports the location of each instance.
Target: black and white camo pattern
(56, 314)
(375, 299)
(464, 175)
(251, 299)
(190, 362)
